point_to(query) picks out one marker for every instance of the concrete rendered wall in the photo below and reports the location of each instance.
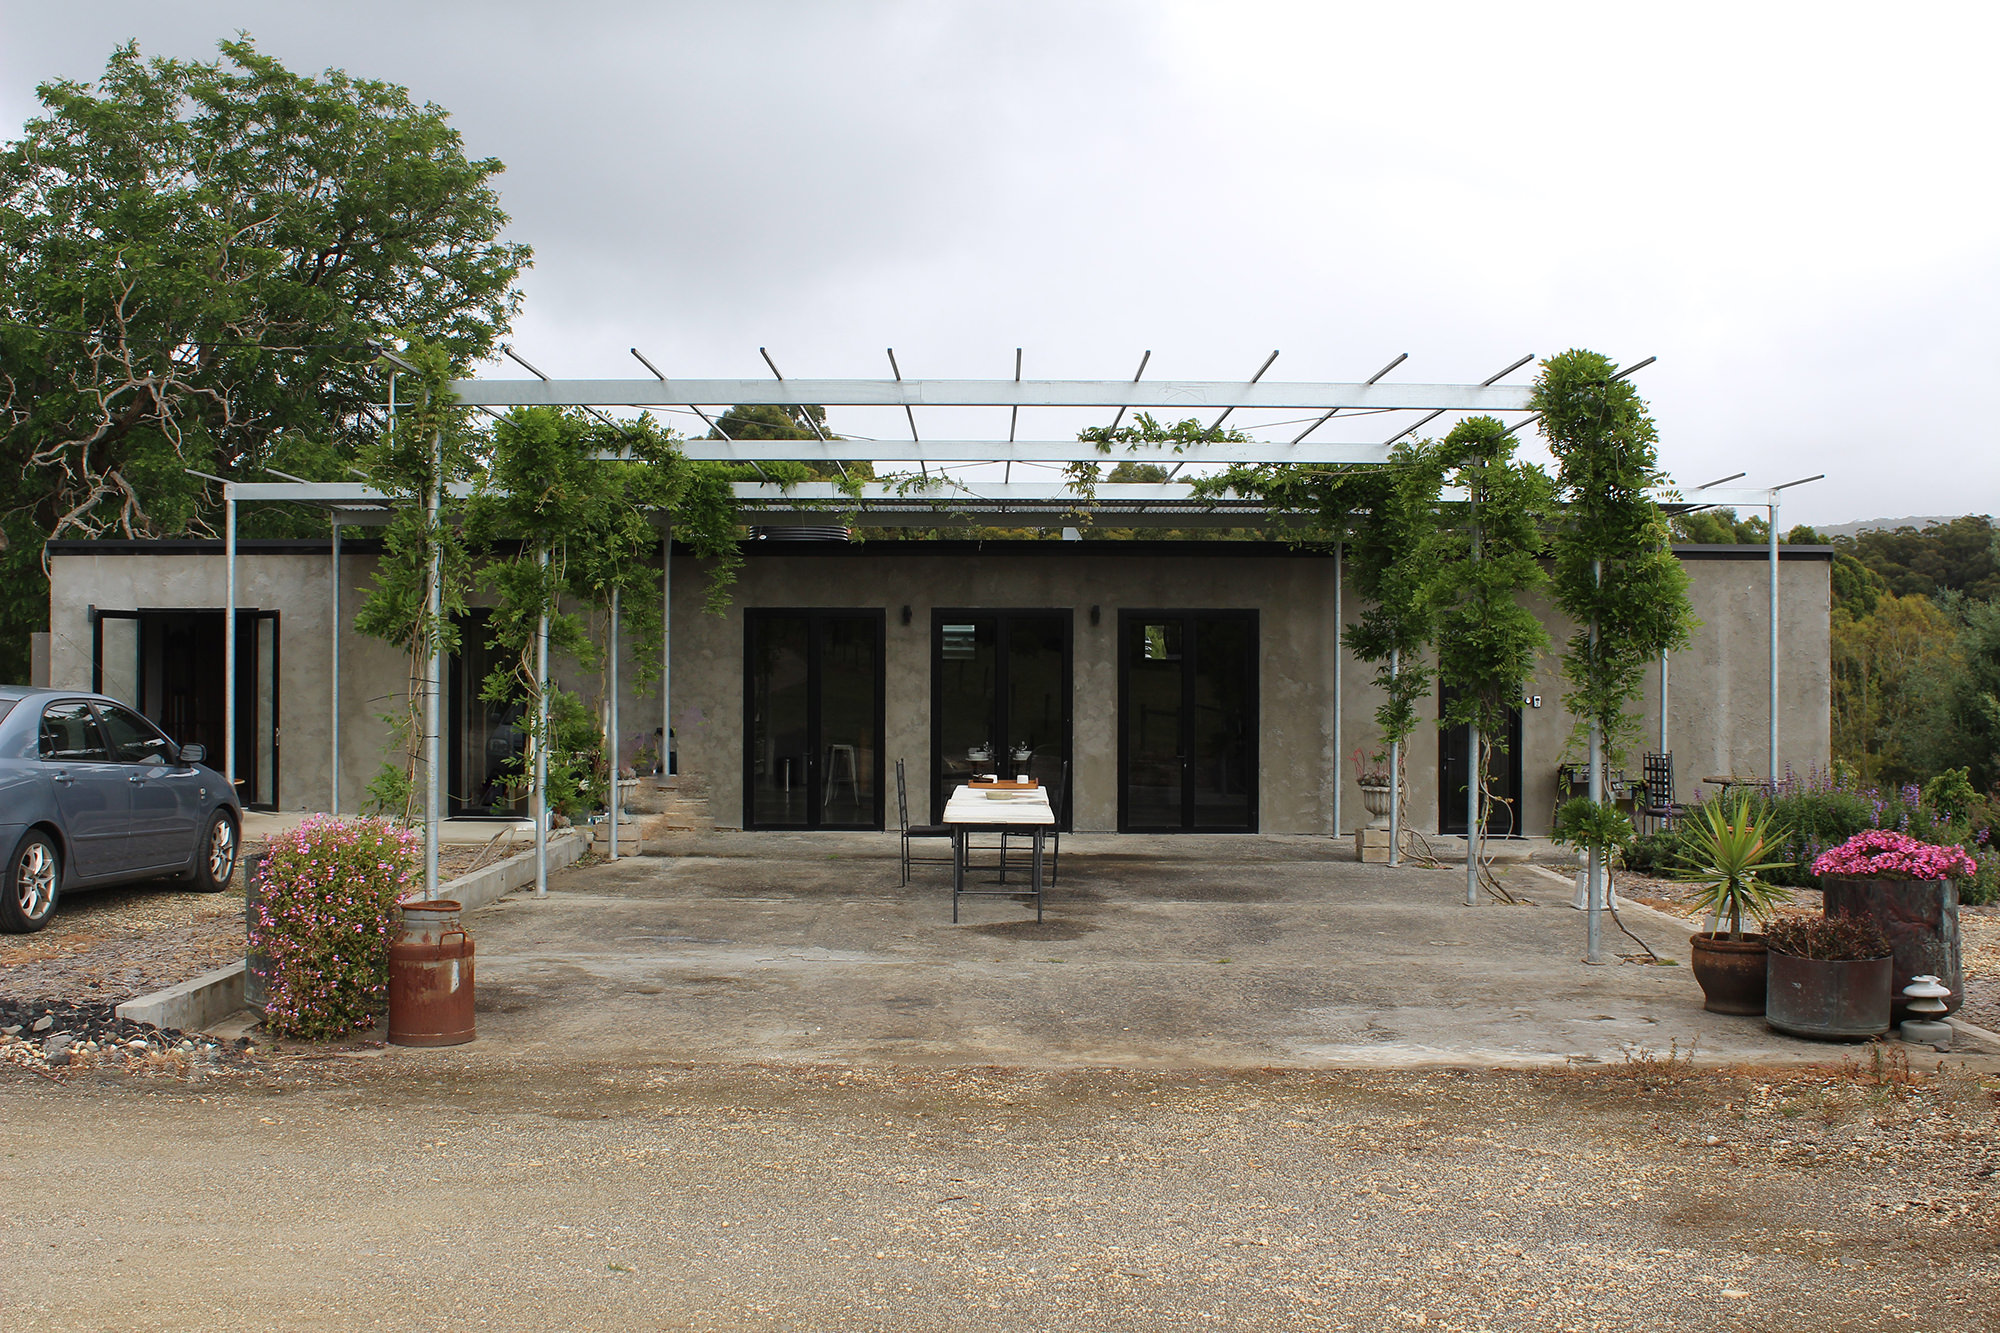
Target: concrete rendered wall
(1719, 686)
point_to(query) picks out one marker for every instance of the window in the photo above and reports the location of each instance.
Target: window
(70, 734)
(133, 738)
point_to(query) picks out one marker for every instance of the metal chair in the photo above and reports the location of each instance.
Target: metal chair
(1056, 787)
(1658, 806)
(911, 831)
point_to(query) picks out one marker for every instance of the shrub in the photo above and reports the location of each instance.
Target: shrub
(1832, 938)
(329, 892)
(1652, 853)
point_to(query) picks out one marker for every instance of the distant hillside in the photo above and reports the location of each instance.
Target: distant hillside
(1882, 524)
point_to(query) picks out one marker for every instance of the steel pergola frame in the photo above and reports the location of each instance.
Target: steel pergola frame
(936, 499)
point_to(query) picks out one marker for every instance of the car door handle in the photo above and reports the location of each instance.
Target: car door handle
(135, 778)
(62, 776)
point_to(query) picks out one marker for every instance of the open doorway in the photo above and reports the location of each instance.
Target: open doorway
(170, 666)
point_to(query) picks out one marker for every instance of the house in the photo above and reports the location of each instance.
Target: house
(1191, 686)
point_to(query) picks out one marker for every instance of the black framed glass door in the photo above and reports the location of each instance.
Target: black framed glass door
(1187, 721)
(168, 665)
(1503, 778)
(813, 702)
(1001, 684)
(487, 746)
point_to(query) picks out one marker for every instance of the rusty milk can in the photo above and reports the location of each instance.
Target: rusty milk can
(430, 977)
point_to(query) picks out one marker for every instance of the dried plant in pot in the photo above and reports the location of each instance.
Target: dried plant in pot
(1726, 847)
(1908, 888)
(1829, 978)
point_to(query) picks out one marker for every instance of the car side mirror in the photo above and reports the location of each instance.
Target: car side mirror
(193, 753)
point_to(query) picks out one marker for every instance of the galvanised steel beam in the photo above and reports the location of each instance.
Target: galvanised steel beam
(1172, 395)
(1028, 451)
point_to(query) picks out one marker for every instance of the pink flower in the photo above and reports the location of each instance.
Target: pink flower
(1888, 854)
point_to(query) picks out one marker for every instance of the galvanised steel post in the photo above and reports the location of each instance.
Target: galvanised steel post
(333, 664)
(542, 733)
(1593, 884)
(613, 738)
(433, 663)
(229, 634)
(1395, 778)
(1774, 635)
(1472, 821)
(1339, 635)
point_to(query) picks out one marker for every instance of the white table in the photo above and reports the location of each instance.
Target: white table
(1001, 810)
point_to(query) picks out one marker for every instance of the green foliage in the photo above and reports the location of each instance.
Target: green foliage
(1144, 430)
(1961, 556)
(1726, 847)
(1487, 553)
(1950, 793)
(1973, 711)
(1615, 572)
(1719, 527)
(1589, 825)
(199, 260)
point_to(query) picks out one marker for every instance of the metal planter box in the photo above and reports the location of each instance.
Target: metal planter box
(1828, 1000)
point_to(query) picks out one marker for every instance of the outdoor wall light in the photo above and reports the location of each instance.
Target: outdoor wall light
(906, 615)
(1093, 615)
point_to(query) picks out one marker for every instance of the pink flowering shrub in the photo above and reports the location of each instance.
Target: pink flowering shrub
(1891, 855)
(330, 889)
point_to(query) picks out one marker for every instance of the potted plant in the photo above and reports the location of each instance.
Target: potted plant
(1908, 889)
(1829, 978)
(1372, 775)
(1725, 847)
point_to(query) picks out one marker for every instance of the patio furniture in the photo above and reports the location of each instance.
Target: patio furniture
(913, 831)
(1055, 790)
(1730, 781)
(1004, 811)
(1657, 805)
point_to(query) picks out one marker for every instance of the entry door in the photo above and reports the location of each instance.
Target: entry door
(486, 773)
(169, 666)
(1503, 778)
(1187, 721)
(1001, 686)
(813, 695)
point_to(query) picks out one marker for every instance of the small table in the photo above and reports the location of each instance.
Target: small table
(1001, 810)
(1729, 780)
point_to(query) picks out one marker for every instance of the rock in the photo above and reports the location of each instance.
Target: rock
(137, 1043)
(56, 1041)
(43, 1024)
(59, 1059)
(12, 1029)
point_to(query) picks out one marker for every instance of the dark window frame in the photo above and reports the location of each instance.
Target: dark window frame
(815, 648)
(1067, 614)
(1191, 662)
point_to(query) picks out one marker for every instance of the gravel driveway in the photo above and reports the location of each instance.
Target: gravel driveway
(404, 1192)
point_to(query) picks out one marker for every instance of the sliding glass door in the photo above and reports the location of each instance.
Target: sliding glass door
(813, 696)
(1187, 721)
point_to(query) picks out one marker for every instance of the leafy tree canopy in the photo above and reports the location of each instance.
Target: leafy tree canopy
(196, 260)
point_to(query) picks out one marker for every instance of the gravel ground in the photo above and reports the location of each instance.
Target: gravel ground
(404, 1192)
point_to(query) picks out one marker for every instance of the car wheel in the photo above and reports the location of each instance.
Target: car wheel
(216, 861)
(34, 875)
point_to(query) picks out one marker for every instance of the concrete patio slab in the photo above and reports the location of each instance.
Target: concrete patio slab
(1188, 951)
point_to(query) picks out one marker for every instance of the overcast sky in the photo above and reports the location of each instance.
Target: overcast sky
(1792, 206)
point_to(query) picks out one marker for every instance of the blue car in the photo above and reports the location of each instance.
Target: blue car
(92, 794)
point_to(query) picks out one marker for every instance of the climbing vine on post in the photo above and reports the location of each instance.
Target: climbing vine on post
(1486, 558)
(1615, 571)
(428, 448)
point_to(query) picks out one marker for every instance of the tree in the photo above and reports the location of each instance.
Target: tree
(1895, 666)
(197, 264)
(1961, 556)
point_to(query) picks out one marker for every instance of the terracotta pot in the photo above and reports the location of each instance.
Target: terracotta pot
(1828, 999)
(1920, 917)
(1731, 972)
